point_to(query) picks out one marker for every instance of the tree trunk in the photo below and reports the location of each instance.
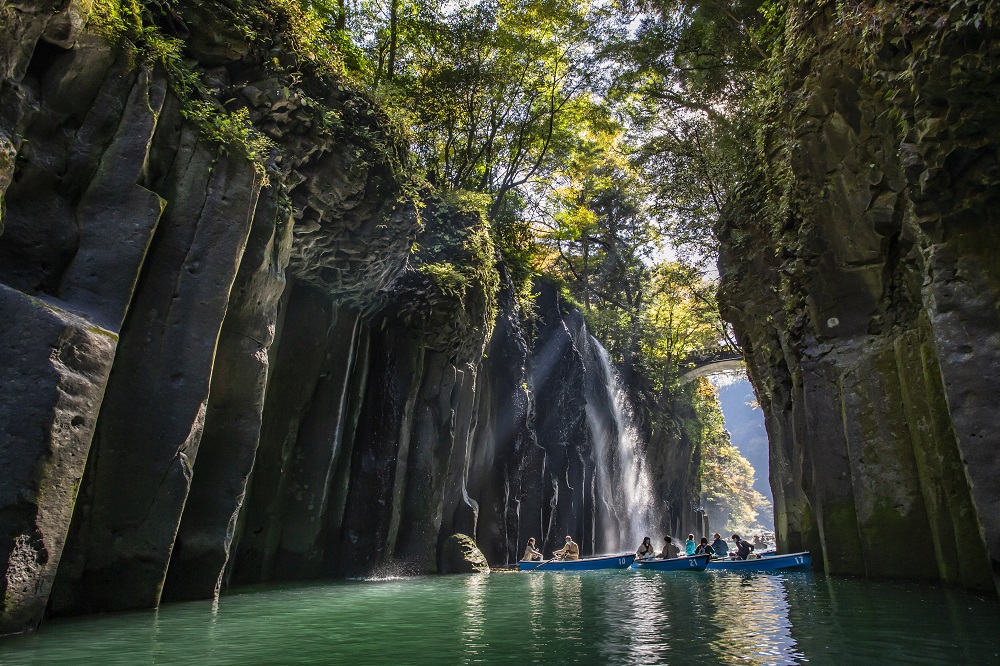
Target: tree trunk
(342, 16)
(393, 39)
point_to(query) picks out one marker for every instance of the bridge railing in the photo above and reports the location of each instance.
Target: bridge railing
(711, 355)
(718, 360)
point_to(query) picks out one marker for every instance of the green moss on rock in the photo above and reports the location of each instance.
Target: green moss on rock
(859, 269)
(459, 554)
(448, 294)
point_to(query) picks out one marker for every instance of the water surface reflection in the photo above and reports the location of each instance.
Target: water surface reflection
(543, 618)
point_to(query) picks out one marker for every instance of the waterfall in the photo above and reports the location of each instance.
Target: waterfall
(623, 480)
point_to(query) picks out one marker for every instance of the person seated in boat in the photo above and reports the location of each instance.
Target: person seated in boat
(531, 553)
(646, 550)
(703, 548)
(689, 545)
(570, 551)
(743, 548)
(670, 551)
(720, 546)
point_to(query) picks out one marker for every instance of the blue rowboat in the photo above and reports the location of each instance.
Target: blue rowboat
(583, 564)
(691, 563)
(770, 563)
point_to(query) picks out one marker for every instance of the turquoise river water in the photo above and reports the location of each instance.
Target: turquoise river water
(626, 617)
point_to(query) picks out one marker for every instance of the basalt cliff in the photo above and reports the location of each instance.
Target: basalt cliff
(231, 356)
(861, 269)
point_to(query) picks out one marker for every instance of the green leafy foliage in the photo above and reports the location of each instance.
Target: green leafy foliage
(130, 22)
(593, 143)
(727, 477)
(693, 74)
(494, 93)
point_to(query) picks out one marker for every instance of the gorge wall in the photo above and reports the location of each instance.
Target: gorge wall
(228, 360)
(860, 269)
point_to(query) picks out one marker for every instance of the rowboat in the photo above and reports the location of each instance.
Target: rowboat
(583, 564)
(690, 563)
(771, 563)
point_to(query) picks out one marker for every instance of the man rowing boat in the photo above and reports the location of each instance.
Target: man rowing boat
(570, 551)
(743, 548)
(720, 546)
(670, 551)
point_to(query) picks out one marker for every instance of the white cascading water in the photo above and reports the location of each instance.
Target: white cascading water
(623, 478)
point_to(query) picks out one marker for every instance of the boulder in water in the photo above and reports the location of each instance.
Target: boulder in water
(460, 554)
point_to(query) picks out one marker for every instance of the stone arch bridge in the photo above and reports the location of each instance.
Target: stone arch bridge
(708, 361)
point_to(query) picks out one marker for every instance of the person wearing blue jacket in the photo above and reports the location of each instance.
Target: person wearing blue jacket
(689, 545)
(720, 546)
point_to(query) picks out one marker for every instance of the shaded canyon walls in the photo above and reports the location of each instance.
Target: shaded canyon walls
(227, 364)
(860, 270)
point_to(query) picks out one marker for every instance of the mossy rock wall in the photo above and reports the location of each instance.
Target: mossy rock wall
(242, 345)
(859, 268)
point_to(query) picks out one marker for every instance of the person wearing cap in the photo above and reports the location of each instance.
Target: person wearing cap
(570, 551)
(531, 553)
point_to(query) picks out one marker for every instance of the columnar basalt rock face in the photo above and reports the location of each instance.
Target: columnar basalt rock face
(153, 414)
(505, 455)
(557, 374)
(377, 448)
(861, 275)
(58, 374)
(121, 219)
(674, 459)
(233, 418)
(219, 371)
(67, 282)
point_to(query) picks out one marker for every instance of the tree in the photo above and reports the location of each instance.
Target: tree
(727, 477)
(489, 87)
(494, 92)
(596, 137)
(691, 72)
(683, 316)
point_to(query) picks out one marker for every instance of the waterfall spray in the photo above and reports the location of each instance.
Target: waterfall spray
(627, 489)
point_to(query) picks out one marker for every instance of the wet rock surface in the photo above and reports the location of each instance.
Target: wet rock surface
(861, 275)
(459, 554)
(57, 365)
(217, 370)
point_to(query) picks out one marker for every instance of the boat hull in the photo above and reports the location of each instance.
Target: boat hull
(771, 563)
(689, 563)
(584, 564)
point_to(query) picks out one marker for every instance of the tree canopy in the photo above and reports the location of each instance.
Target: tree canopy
(603, 140)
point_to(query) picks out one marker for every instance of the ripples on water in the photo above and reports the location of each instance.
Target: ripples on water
(543, 618)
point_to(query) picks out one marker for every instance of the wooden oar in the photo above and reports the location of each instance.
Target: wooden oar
(544, 563)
